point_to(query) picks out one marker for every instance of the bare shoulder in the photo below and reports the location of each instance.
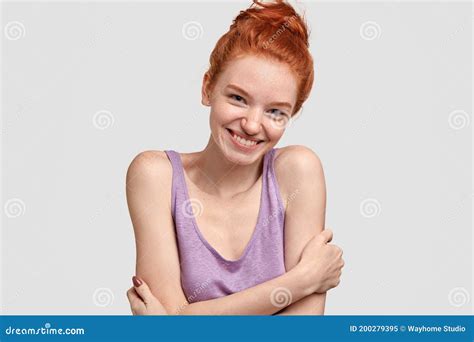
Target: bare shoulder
(298, 156)
(297, 164)
(297, 160)
(150, 171)
(149, 161)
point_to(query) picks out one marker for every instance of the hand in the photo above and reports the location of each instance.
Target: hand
(142, 301)
(321, 262)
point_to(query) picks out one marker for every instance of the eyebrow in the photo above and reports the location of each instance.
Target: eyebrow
(239, 89)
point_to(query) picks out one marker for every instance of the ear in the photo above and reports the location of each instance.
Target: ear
(205, 96)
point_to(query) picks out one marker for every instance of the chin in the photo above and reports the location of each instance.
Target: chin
(241, 158)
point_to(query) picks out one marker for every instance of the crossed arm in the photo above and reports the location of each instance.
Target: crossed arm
(304, 215)
(157, 253)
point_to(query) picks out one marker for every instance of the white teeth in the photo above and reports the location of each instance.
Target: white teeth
(244, 141)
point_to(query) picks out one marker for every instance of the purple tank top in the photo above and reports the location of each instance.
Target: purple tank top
(205, 274)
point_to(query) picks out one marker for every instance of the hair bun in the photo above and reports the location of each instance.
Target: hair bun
(277, 14)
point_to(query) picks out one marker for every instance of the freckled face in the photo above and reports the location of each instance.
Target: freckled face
(253, 98)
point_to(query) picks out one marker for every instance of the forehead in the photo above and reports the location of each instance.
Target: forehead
(261, 77)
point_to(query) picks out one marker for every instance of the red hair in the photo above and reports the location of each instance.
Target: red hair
(272, 30)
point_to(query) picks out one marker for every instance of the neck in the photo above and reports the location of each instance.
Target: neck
(217, 175)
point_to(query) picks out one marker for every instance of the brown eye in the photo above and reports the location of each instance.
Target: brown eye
(277, 112)
(237, 97)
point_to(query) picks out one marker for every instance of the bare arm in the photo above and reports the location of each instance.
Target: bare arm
(148, 194)
(301, 171)
(255, 300)
(148, 190)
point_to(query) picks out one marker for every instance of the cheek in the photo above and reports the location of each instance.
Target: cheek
(225, 112)
(274, 134)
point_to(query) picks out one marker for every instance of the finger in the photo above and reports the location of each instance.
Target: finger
(142, 289)
(133, 296)
(326, 235)
(136, 303)
(129, 295)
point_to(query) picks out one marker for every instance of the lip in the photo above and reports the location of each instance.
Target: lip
(251, 139)
(239, 146)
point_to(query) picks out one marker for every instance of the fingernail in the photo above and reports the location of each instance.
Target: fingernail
(136, 281)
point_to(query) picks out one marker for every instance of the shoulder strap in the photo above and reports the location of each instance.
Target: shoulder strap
(175, 163)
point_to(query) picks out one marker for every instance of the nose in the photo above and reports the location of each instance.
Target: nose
(252, 123)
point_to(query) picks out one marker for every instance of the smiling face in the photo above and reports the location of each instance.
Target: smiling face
(253, 98)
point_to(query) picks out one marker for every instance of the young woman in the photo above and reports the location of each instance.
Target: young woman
(238, 228)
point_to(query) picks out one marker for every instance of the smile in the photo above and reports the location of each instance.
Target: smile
(243, 143)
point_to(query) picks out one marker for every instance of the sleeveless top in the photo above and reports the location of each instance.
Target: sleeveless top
(205, 274)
